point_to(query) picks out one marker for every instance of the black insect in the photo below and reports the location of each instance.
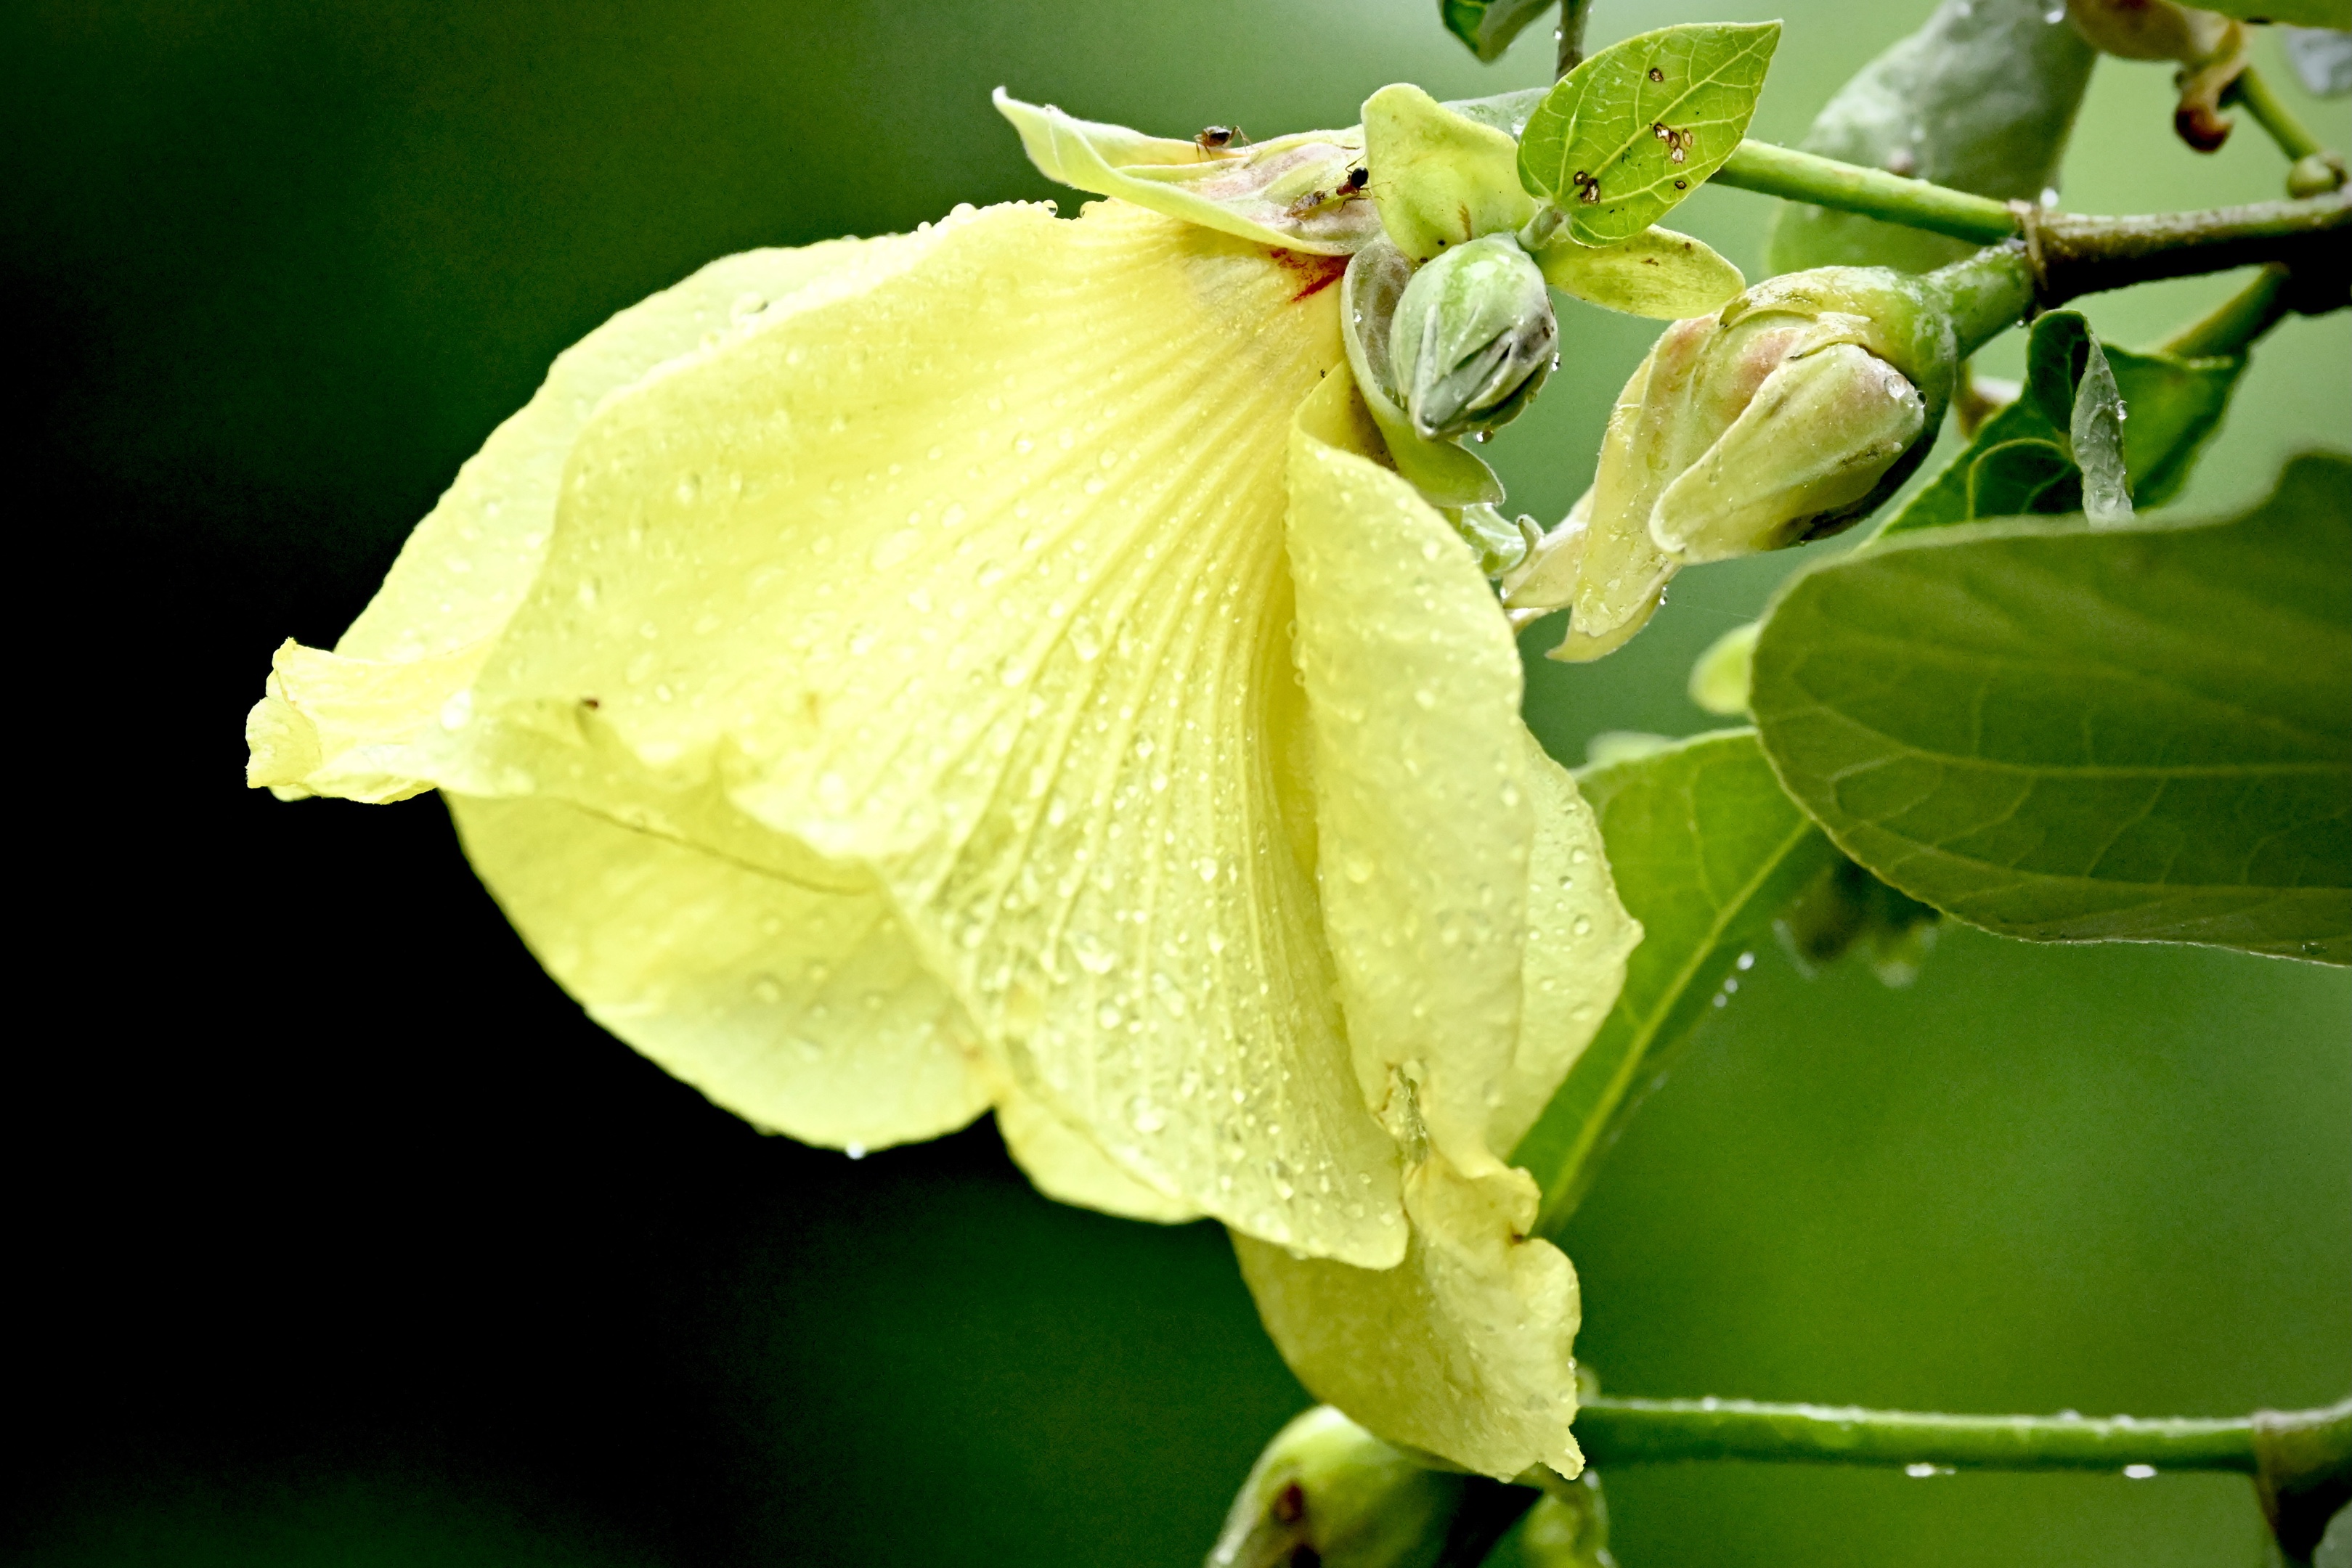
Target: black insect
(1220, 138)
(1347, 189)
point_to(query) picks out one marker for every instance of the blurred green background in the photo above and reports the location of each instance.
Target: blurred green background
(341, 1237)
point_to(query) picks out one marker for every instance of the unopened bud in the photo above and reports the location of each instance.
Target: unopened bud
(1826, 420)
(1326, 1487)
(1474, 337)
(1720, 680)
(1784, 417)
(1568, 1526)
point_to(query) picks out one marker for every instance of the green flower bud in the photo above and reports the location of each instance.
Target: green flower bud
(1474, 337)
(1784, 417)
(1720, 680)
(1568, 1526)
(1328, 1487)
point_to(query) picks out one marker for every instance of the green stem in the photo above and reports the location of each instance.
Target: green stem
(1985, 294)
(2233, 327)
(2076, 255)
(1572, 15)
(1647, 1431)
(2272, 115)
(2082, 256)
(1849, 188)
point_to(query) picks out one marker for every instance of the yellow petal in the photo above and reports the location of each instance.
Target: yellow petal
(1578, 937)
(1623, 574)
(466, 566)
(1479, 944)
(1290, 191)
(1423, 799)
(1066, 1165)
(333, 725)
(1465, 1350)
(971, 584)
(800, 1008)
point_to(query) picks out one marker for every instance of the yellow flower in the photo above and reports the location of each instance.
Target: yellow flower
(995, 667)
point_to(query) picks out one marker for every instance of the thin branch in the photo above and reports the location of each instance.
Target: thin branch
(2272, 115)
(1850, 188)
(1571, 38)
(1644, 1431)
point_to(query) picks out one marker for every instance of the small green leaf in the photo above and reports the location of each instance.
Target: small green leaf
(1706, 849)
(1633, 130)
(2141, 733)
(1658, 273)
(1489, 25)
(2017, 478)
(2174, 405)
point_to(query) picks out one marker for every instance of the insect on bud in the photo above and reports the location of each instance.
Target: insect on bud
(1474, 337)
(1326, 1491)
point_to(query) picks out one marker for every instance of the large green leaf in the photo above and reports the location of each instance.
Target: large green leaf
(1641, 125)
(1705, 848)
(2137, 734)
(1980, 99)
(2173, 407)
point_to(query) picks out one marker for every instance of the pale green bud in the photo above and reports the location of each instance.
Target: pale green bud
(1568, 1526)
(1825, 422)
(1783, 417)
(1720, 680)
(1326, 1486)
(1474, 337)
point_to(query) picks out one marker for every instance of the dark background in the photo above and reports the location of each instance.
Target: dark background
(337, 1236)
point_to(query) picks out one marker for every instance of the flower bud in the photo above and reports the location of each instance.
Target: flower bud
(1568, 1526)
(1782, 418)
(1474, 337)
(1326, 1486)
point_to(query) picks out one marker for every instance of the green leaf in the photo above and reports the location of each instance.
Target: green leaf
(2174, 405)
(1705, 848)
(2336, 14)
(2020, 477)
(1980, 99)
(2135, 733)
(1489, 25)
(1633, 130)
(1658, 273)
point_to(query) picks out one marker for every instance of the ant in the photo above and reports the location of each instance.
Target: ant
(1348, 189)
